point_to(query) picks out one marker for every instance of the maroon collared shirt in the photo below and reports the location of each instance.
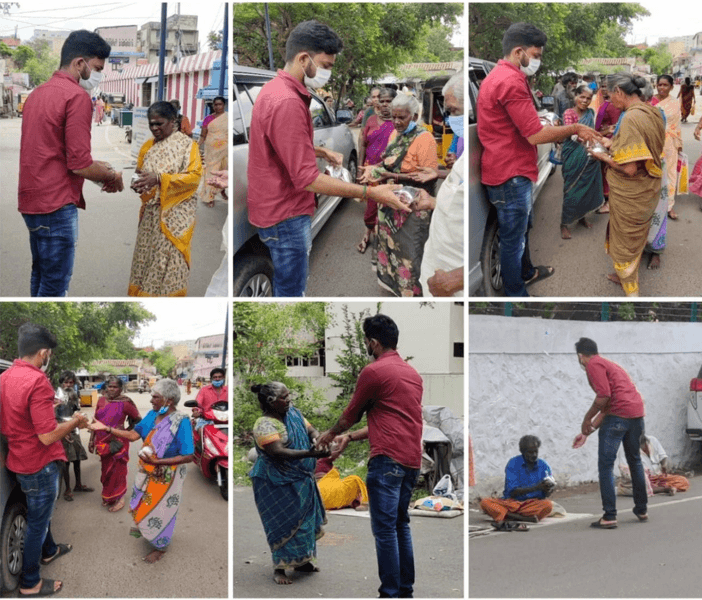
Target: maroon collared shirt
(27, 410)
(506, 118)
(55, 141)
(282, 161)
(608, 379)
(390, 390)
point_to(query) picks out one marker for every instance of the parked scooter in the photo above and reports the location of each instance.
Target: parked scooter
(212, 443)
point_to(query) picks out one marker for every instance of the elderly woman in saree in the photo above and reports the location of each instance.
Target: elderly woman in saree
(169, 171)
(113, 408)
(410, 158)
(213, 141)
(284, 487)
(372, 142)
(158, 484)
(634, 177)
(673, 135)
(582, 175)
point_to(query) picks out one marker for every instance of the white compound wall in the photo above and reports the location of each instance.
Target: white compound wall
(524, 378)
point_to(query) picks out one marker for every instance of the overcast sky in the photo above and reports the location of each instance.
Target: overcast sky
(668, 19)
(180, 319)
(87, 14)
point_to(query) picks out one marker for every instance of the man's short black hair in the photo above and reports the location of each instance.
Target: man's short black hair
(570, 77)
(523, 35)
(528, 440)
(216, 370)
(586, 346)
(31, 338)
(313, 37)
(67, 376)
(83, 44)
(383, 329)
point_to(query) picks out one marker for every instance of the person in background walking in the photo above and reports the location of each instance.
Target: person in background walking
(213, 141)
(687, 99)
(182, 121)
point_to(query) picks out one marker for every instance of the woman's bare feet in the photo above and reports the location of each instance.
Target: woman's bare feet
(119, 505)
(614, 278)
(307, 568)
(365, 241)
(654, 262)
(604, 209)
(281, 578)
(673, 215)
(585, 223)
(154, 556)
(43, 588)
(565, 233)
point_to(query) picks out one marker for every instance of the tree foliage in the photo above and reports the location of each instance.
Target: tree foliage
(575, 30)
(377, 37)
(214, 39)
(85, 330)
(164, 361)
(22, 55)
(5, 50)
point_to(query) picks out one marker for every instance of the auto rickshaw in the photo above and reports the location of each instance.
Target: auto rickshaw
(21, 99)
(113, 101)
(433, 114)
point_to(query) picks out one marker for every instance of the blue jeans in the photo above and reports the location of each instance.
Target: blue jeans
(52, 239)
(513, 201)
(41, 489)
(615, 431)
(389, 494)
(289, 242)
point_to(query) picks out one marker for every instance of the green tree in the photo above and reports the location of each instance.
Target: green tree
(83, 329)
(164, 360)
(575, 30)
(377, 37)
(22, 55)
(659, 59)
(5, 50)
(214, 39)
(436, 46)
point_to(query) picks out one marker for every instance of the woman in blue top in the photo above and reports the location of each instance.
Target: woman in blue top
(158, 485)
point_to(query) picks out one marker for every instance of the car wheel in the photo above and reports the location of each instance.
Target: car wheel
(253, 277)
(353, 168)
(12, 532)
(490, 260)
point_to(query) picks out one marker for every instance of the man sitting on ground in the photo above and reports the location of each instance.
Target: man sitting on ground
(659, 479)
(528, 482)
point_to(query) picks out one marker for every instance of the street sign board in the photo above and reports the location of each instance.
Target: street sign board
(140, 129)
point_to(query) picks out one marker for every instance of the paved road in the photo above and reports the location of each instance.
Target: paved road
(581, 263)
(346, 558)
(106, 560)
(568, 559)
(108, 226)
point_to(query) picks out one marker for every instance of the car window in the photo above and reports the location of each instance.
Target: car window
(319, 114)
(245, 95)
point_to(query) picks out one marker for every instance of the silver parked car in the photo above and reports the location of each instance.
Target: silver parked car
(253, 269)
(13, 522)
(483, 238)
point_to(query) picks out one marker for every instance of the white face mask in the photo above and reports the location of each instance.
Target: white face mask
(532, 67)
(92, 82)
(45, 365)
(320, 79)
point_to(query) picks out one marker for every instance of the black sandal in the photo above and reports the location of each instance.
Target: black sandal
(62, 549)
(542, 272)
(509, 526)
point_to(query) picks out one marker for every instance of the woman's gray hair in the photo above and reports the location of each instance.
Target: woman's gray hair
(627, 83)
(455, 86)
(168, 389)
(647, 93)
(406, 101)
(268, 392)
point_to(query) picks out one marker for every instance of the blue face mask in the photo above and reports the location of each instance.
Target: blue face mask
(219, 383)
(456, 125)
(163, 410)
(410, 127)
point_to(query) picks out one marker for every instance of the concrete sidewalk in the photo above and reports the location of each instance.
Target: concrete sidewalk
(346, 557)
(566, 558)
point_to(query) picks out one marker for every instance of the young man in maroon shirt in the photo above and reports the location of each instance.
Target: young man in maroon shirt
(509, 130)
(34, 450)
(283, 176)
(390, 391)
(622, 406)
(55, 160)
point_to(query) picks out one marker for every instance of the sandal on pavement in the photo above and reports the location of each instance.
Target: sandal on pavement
(67, 496)
(643, 518)
(83, 488)
(46, 589)
(62, 549)
(602, 524)
(509, 526)
(542, 272)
